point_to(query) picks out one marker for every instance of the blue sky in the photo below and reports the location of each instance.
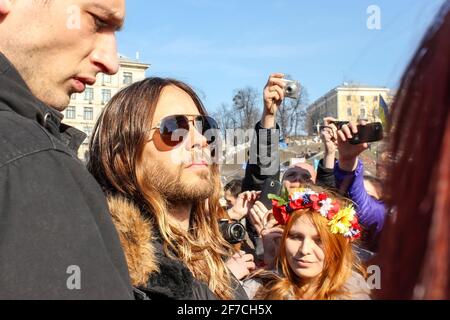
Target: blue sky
(218, 46)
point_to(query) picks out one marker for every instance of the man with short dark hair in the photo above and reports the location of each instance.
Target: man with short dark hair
(57, 237)
(232, 190)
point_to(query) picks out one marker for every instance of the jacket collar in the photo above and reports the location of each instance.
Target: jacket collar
(150, 269)
(17, 96)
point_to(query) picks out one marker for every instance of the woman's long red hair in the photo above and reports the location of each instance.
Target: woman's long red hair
(415, 247)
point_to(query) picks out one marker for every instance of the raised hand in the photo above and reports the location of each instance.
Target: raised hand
(348, 153)
(244, 203)
(273, 97)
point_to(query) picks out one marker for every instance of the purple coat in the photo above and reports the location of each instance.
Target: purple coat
(371, 212)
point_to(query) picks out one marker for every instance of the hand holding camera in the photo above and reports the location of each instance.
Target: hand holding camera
(292, 89)
(276, 89)
(353, 140)
(274, 93)
(328, 134)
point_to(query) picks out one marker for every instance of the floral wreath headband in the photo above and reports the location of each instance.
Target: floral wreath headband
(341, 221)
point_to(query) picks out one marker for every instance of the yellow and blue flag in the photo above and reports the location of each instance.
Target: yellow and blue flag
(384, 111)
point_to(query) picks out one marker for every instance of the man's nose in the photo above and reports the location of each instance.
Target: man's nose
(197, 139)
(105, 56)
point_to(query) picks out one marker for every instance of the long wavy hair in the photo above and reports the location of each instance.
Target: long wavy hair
(116, 162)
(340, 262)
(415, 245)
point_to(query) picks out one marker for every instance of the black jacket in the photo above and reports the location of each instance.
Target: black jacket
(264, 157)
(56, 233)
(325, 177)
(264, 163)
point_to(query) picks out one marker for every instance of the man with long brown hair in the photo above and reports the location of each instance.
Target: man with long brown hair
(151, 151)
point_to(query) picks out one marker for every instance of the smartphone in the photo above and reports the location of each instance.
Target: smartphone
(339, 124)
(270, 186)
(371, 132)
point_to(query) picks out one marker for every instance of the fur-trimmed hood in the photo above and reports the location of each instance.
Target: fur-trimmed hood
(136, 235)
(151, 271)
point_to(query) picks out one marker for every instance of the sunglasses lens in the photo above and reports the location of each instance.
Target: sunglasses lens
(209, 127)
(174, 129)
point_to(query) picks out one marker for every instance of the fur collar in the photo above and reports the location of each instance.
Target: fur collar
(135, 234)
(150, 269)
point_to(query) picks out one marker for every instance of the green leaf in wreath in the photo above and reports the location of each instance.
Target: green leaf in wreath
(281, 201)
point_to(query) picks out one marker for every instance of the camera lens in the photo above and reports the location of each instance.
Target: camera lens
(237, 232)
(232, 232)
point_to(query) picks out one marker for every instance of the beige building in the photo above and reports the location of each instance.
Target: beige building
(86, 107)
(347, 103)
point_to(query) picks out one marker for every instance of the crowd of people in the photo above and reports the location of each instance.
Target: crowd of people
(144, 219)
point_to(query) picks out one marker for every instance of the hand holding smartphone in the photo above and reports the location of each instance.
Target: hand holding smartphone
(370, 132)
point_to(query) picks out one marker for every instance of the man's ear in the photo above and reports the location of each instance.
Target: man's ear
(5, 7)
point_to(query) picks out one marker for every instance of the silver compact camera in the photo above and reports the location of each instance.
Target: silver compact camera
(292, 89)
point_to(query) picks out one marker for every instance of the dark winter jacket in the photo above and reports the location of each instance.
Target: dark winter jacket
(325, 177)
(151, 270)
(57, 237)
(264, 163)
(264, 152)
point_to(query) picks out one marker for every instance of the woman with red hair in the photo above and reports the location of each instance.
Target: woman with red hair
(415, 246)
(316, 259)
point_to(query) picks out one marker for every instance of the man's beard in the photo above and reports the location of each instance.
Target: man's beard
(174, 188)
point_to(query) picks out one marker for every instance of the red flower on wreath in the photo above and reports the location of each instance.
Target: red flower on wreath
(280, 213)
(296, 204)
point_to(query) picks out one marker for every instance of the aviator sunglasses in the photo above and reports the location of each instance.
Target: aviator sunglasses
(174, 129)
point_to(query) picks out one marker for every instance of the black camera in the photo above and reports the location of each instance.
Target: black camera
(233, 231)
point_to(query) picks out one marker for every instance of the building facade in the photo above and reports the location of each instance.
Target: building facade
(85, 108)
(347, 103)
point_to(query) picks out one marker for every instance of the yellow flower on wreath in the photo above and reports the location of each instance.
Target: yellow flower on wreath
(342, 221)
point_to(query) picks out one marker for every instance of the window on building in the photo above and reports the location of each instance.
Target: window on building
(127, 78)
(349, 98)
(88, 113)
(70, 112)
(349, 112)
(89, 94)
(362, 99)
(106, 79)
(363, 114)
(375, 99)
(106, 95)
(73, 96)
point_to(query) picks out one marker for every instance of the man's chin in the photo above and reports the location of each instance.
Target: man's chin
(199, 182)
(59, 103)
(197, 174)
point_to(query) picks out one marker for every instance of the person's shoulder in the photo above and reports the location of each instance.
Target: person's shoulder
(21, 137)
(357, 287)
